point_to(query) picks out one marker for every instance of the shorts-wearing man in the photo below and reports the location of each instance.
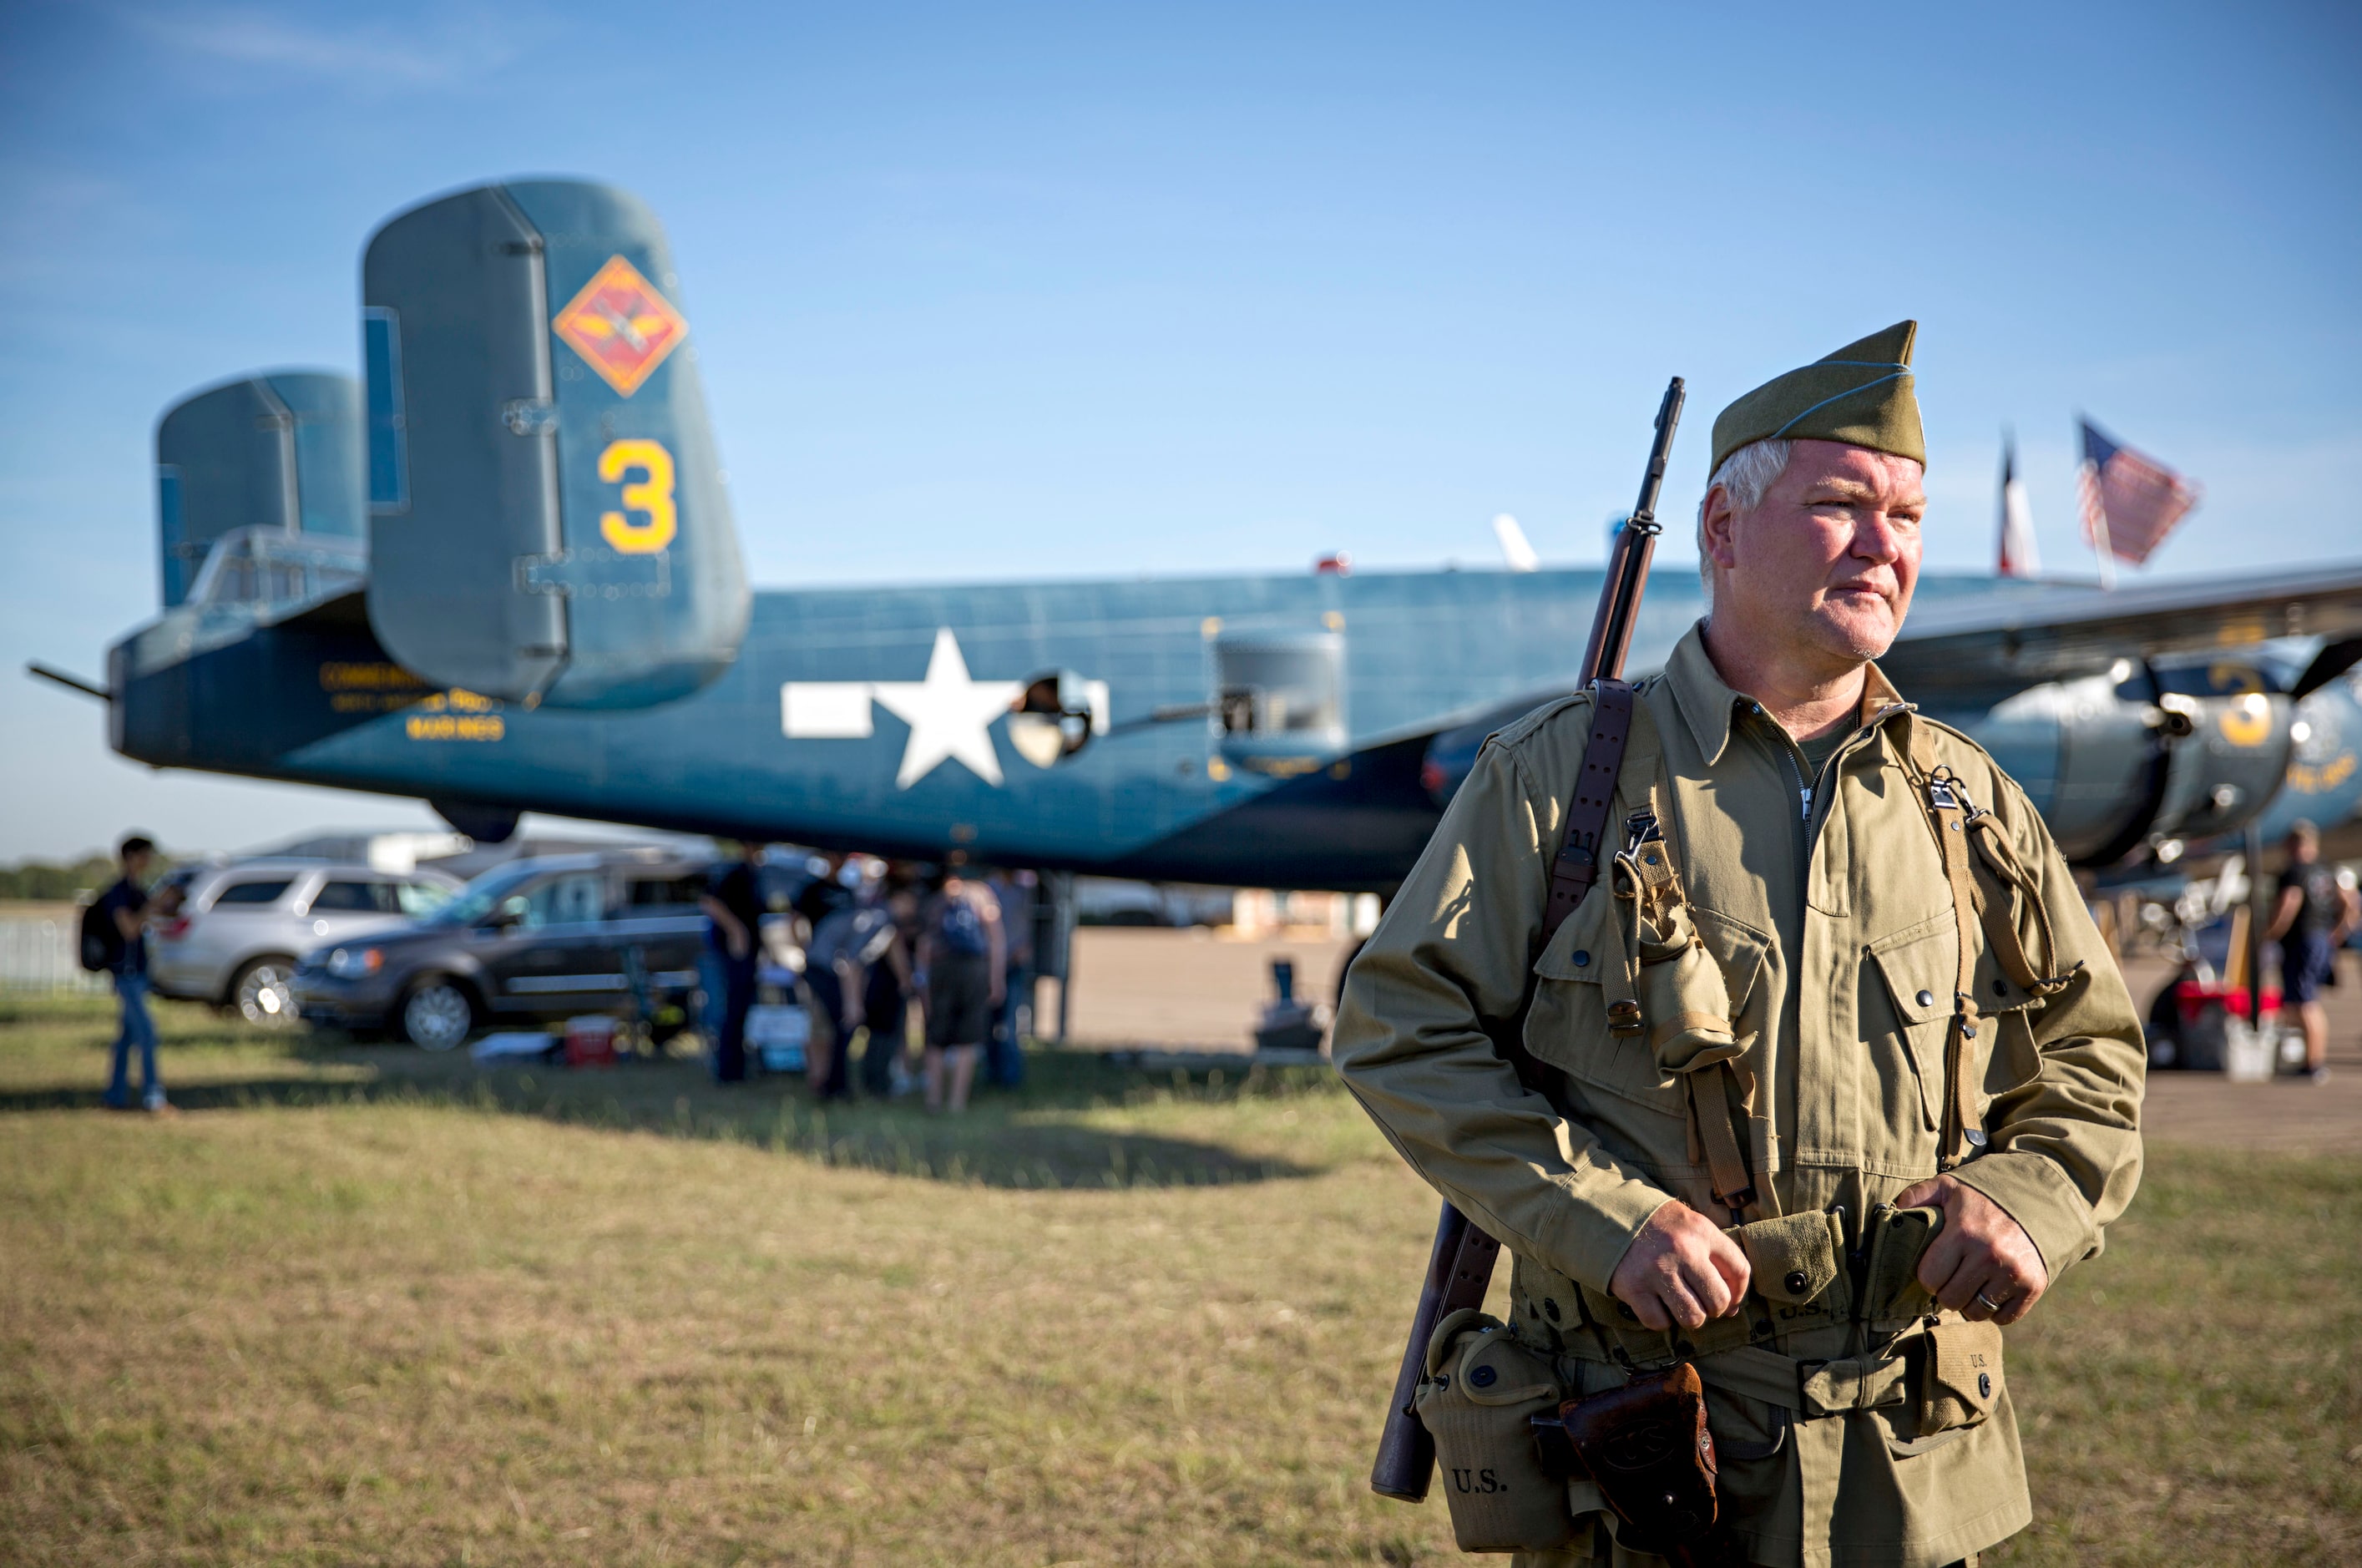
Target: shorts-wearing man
(2311, 919)
(964, 954)
(125, 906)
(1821, 1028)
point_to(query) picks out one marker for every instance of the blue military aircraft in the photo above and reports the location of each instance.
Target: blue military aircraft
(499, 574)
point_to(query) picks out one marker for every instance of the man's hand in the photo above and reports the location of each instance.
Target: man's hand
(1681, 1269)
(1982, 1264)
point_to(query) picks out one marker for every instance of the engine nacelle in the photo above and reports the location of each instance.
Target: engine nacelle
(2116, 761)
(548, 521)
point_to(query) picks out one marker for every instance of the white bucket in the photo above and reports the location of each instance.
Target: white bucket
(2247, 1052)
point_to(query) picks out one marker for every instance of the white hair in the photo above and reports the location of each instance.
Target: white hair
(1744, 477)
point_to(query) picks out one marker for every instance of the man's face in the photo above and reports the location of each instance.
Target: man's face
(2304, 850)
(136, 864)
(1830, 555)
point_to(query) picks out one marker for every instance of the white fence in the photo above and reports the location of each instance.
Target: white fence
(38, 953)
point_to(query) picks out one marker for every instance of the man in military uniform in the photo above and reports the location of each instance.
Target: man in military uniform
(1916, 1013)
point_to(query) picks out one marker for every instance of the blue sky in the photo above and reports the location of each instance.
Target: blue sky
(1022, 291)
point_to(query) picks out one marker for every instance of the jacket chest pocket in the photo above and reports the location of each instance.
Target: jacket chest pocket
(1581, 975)
(1904, 1007)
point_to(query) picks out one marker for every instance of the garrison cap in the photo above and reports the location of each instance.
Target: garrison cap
(1862, 396)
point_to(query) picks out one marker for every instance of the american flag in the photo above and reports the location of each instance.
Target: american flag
(2130, 502)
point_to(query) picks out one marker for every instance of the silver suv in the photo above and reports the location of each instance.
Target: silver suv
(241, 924)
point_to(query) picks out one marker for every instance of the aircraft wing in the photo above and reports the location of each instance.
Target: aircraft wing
(1981, 650)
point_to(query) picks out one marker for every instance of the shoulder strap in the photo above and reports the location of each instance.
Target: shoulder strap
(1947, 816)
(1577, 865)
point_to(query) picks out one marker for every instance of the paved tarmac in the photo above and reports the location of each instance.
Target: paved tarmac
(1202, 990)
(1198, 990)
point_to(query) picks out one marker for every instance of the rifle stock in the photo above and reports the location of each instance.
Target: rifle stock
(1460, 1266)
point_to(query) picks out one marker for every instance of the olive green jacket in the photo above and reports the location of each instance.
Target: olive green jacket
(1826, 904)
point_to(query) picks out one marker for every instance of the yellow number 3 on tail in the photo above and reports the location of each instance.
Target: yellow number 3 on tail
(652, 495)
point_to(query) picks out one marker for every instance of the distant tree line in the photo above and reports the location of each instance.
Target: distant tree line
(41, 881)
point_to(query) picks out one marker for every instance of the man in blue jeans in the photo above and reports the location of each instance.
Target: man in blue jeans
(125, 907)
(733, 940)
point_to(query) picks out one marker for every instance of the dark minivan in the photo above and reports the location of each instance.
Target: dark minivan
(530, 941)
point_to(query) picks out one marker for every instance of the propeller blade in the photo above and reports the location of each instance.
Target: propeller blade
(2334, 660)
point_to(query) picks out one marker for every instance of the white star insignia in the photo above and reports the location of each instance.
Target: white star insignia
(950, 714)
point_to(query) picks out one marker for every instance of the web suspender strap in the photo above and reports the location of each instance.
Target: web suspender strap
(2001, 926)
(1957, 823)
(1946, 814)
(1710, 1112)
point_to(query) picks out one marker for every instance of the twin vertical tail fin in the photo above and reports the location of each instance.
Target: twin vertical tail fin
(281, 450)
(546, 518)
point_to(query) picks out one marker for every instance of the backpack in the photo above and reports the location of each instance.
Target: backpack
(961, 929)
(102, 943)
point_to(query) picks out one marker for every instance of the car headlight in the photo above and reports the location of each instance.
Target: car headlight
(352, 963)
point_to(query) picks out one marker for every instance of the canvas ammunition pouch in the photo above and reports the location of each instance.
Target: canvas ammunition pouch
(1802, 1276)
(1958, 1374)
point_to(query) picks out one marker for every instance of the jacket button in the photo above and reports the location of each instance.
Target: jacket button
(1796, 1282)
(1926, 998)
(1582, 957)
(1550, 1308)
(1624, 1311)
(1984, 1384)
(1482, 1376)
(2001, 987)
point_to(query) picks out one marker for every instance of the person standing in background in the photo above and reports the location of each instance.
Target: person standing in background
(962, 956)
(825, 903)
(886, 988)
(125, 907)
(1005, 1055)
(2311, 922)
(733, 902)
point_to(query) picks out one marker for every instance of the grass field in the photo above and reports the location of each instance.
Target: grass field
(362, 1305)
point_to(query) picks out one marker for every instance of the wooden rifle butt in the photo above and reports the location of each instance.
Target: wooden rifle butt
(1459, 1272)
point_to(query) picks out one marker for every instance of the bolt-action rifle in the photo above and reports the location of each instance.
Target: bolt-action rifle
(1460, 1269)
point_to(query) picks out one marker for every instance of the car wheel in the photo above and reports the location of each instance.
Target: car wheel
(436, 1015)
(263, 993)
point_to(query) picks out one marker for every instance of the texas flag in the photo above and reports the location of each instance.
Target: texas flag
(2130, 502)
(2018, 555)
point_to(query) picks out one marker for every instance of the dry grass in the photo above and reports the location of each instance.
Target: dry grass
(360, 1305)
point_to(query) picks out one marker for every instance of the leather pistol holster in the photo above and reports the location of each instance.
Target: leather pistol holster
(1647, 1446)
